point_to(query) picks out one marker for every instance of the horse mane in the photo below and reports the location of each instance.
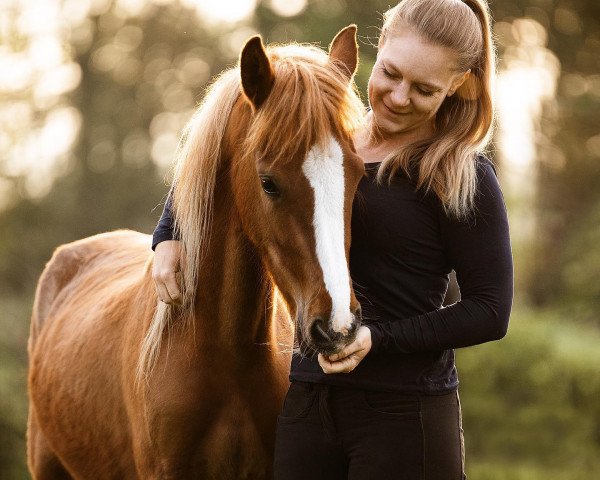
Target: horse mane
(310, 98)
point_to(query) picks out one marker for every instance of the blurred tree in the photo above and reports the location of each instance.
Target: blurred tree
(568, 153)
(142, 72)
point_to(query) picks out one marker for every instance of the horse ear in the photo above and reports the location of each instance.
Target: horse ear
(257, 73)
(343, 50)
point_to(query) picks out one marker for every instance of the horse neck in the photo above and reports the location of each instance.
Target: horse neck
(233, 297)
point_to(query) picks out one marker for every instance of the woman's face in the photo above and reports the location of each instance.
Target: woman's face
(410, 80)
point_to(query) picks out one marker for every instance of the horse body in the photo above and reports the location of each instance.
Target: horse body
(206, 403)
(213, 419)
(76, 351)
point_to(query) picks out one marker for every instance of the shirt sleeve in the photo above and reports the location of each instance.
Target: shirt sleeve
(479, 250)
(165, 229)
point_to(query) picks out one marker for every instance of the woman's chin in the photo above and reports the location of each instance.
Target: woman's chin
(400, 125)
(388, 127)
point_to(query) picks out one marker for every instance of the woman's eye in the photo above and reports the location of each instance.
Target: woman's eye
(425, 93)
(268, 185)
(386, 72)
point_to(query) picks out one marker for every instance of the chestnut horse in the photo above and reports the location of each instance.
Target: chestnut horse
(122, 386)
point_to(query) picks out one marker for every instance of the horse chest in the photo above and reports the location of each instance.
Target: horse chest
(232, 445)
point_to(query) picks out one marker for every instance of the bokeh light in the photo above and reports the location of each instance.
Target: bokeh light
(40, 126)
(287, 8)
(222, 11)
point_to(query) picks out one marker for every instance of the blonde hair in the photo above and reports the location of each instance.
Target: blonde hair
(446, 162)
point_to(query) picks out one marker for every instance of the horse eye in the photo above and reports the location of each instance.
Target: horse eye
(268, 185)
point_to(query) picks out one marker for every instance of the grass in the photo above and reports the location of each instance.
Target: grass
(530, 402)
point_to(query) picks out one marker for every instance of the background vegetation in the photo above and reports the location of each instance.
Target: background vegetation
(93, 95)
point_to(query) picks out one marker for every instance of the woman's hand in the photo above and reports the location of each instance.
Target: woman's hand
(348, 358)
(165, 269)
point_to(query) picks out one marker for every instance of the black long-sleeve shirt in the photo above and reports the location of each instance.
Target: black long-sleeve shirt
(165, 229)
(403, 247)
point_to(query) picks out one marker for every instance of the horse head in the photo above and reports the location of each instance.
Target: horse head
(296, 173)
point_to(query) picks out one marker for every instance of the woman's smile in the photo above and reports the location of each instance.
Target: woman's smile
(394, 111)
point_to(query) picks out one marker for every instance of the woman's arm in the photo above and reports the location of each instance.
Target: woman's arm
(479, 250)
(167, 251)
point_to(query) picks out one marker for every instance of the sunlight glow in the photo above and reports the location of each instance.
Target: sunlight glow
(40, 40)
(231, 43)
(165, 129)
(526, 83)
(287, 8)
(44, 153)
(525, 86)
(38, 128)
(222, 11)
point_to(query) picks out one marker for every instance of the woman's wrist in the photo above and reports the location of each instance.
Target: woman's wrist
(376, 337)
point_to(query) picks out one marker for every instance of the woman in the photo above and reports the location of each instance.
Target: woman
(387, 405)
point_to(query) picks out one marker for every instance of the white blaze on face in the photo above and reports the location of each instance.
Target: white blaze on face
(324, 169)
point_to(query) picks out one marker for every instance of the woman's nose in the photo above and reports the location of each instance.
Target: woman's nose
(400, 95)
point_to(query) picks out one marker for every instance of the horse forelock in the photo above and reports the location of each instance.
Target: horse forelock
(311, 100)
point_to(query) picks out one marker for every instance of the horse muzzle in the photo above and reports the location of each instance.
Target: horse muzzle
(324, 339)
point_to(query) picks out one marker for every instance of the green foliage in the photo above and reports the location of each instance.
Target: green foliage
(582, 287)
(530, 402)
(14, 323)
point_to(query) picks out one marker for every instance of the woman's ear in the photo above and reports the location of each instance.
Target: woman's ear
(470, 88)
(458, 81)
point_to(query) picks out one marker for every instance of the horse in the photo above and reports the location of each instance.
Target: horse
(124, 386)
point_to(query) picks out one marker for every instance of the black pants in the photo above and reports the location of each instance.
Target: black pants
(334, 433)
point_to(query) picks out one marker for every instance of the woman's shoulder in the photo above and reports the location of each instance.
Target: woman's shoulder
(489, 199)
(487, 177)
(484, 165)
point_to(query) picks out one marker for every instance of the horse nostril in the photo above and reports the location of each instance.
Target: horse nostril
(319, 333)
